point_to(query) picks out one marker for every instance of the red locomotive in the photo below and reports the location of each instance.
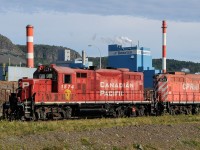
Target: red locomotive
(177, 93)
(60, 92)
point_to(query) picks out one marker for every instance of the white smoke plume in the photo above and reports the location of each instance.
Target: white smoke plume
(122, 40)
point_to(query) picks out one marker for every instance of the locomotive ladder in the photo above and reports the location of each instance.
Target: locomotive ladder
(27, 108)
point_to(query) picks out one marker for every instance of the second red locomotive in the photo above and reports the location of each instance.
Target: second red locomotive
(177, 93)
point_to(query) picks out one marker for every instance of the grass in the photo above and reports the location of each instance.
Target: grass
(85, 141)
(192, 143)
(19, 128)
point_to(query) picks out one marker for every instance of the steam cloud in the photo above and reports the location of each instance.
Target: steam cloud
(117, 40)
(123, 40)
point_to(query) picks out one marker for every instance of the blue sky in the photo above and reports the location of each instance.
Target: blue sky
(79, 23)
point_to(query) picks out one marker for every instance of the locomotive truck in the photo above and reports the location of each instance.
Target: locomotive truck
(57, 92)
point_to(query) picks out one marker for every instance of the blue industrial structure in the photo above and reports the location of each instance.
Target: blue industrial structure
(135, 58)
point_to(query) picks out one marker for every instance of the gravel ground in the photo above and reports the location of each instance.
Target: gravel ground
(162, 137)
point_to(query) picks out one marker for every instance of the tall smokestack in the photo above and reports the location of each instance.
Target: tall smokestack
(164, 28)
(30, 50)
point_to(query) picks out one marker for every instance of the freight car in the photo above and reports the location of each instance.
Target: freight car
(58, 92)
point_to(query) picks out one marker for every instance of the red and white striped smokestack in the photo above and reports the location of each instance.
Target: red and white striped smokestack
(164, 29)
(29, 44)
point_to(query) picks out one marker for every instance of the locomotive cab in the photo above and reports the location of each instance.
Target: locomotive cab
(22, 102)
(160, 86)
(47, 72)
(160, 93)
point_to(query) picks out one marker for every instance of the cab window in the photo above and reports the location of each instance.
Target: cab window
(81, 75)
(67, 78)
(164, 79)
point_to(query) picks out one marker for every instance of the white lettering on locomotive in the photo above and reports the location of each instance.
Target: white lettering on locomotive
(25, 84)
(190, 86)
(111, 93)
(116, 85)
(67, 86)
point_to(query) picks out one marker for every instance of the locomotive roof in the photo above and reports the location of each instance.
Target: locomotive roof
(119, 70)
(67, 70)
(181, 74)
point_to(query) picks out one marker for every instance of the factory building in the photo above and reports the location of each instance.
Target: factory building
(64, 55)
(64, 59)
(12, 73)
(135, 58)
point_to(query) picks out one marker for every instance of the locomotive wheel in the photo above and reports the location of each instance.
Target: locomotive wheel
(68, 112)
(172, 111)
(35, 116)
(188, 110)
(120, 112)
(196, 110)
(40, 113)
(112, 113)
(141, 111)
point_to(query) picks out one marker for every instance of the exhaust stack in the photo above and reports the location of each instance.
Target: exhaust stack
(30, 49)
(83, 57)
(164, 29)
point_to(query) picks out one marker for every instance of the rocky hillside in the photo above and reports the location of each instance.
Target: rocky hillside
(9, 52)
(7, 47)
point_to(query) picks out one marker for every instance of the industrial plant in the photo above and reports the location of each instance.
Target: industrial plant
(135, 58)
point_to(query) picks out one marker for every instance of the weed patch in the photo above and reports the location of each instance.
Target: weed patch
(192, 143)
